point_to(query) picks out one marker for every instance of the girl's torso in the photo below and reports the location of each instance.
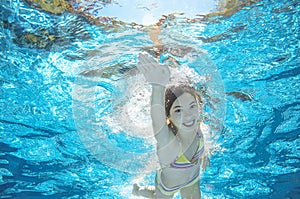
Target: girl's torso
(187, 164)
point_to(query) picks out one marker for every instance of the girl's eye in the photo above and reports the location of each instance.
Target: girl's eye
(194, 106)
(177, 111)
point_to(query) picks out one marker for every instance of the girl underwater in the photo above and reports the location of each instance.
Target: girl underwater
(176, 126)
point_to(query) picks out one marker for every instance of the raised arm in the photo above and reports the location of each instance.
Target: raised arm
(158, 76)
(159, 123)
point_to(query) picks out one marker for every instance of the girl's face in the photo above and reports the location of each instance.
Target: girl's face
(184, 112)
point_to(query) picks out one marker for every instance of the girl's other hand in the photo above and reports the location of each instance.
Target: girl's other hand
(205, 162)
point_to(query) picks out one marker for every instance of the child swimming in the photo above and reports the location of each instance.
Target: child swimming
(176, 126)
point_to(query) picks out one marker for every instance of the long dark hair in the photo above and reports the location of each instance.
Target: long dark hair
(171, 94)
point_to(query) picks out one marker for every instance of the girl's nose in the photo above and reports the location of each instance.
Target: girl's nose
(187, 115)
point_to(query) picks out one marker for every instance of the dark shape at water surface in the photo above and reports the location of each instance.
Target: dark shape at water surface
(225, 35)
(241, 96)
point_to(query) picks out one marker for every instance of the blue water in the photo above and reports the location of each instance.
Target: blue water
(60, 75)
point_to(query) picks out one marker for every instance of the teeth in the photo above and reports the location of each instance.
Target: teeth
(189, 123)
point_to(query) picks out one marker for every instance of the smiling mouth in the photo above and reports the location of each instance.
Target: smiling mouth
(189, 124)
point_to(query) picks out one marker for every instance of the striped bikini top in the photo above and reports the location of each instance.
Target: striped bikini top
(182, 162)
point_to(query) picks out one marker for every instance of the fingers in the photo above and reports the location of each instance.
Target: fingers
(154, 72)
(146, 62)
(145, 58)
(141, 67)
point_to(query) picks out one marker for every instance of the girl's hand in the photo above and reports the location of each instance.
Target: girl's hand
(155, 73)
(205, 162)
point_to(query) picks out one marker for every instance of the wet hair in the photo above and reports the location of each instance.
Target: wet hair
(171, 94)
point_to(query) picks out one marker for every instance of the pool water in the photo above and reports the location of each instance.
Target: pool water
(68, 129)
